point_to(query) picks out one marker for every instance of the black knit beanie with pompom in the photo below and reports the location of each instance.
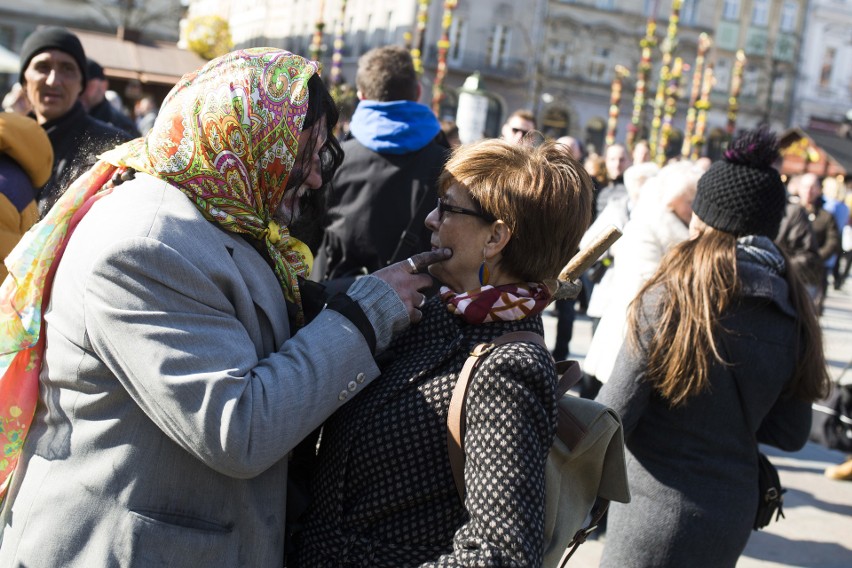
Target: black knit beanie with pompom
(743, 194)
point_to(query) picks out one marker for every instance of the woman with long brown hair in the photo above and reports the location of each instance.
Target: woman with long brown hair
(724, 352)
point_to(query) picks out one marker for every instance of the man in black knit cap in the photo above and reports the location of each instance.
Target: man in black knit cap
(94, 99)
(53, 74)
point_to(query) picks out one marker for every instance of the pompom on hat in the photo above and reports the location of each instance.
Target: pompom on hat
(743, 194)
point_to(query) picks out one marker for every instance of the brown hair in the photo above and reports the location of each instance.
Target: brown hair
(387, 74)
(700, 283)
(595, 165)
(543, 195)
(523, 114)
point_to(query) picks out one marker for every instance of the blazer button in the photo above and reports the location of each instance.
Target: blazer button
(343, 395)
(352, 386)
(360, 378)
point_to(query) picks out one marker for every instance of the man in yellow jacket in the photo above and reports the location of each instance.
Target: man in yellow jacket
(26, 161)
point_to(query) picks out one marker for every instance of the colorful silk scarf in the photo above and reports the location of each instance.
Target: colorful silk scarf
(510, 302)
(227, 136)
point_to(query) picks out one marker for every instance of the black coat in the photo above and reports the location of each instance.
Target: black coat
(384, 491)
(693, 468)
(796, 238)
(77, 140)
(373, 200)
(105, 112)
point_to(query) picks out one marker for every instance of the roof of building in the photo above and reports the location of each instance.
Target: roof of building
(152, 62)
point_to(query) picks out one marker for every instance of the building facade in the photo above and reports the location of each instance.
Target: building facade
(770, 32)
(557, 57)
(495, 38)
(823, 90)
(587, 39)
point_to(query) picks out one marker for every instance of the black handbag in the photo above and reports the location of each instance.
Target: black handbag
(770, 491)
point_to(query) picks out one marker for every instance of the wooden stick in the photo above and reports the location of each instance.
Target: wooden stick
(587, 257)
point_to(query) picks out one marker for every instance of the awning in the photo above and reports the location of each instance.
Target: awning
(816, 151)
(158, 63)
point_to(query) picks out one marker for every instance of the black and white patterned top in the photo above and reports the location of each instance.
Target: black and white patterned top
(384, 494)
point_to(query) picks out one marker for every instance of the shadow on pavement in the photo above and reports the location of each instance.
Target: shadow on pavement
(801, 468)
(798, 498)
(801, 553)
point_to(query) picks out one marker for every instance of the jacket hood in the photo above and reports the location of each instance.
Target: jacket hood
(396, 127)
(760, 283)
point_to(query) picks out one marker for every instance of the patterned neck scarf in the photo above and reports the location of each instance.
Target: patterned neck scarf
(510, 302)
(227, 136)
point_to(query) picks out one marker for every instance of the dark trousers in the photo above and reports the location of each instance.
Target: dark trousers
(565, 315)
(841, 268)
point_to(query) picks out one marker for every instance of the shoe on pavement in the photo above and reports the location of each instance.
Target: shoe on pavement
(842, 472)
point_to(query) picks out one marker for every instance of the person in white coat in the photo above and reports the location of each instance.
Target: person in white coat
(660, 221)
(617, 213)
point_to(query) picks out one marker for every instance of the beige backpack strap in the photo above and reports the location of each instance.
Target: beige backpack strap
(455, 416)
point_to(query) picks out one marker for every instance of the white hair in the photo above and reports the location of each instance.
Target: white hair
(636, 175)
(670, 183)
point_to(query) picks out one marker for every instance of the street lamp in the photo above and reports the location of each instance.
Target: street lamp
(475, 107)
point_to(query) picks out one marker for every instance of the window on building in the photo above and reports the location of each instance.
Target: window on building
(750, 82)
(556, 57)
(827, 67)
(760, 13)
(389, 31)
(369, 34)
(687, 12)
(6, 33)
(606, 4)
(779, 89)
(354, 40)
(458, 35)
(505, 47)
(600, 67)
(789, 13)
(731, 10)
(722, 75)
(498, 47)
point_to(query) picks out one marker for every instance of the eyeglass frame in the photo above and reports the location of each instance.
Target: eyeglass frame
(444, 208)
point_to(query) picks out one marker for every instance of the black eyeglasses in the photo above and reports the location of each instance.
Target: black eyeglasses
(520, 131)
(443, 208)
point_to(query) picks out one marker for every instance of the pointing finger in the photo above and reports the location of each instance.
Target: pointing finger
(423, 260)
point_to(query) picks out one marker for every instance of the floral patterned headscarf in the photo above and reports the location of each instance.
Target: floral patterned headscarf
(227, 136)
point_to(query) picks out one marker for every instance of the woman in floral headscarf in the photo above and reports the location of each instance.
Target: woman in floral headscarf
(146, 414)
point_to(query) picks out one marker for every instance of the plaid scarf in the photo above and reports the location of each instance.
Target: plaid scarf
(510, 302)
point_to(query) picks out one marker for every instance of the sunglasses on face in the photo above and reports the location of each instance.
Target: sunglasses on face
(444, 207)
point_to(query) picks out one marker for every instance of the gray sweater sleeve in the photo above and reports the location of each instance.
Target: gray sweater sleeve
(382, 306)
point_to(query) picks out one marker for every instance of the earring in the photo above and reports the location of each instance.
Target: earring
(484, 274)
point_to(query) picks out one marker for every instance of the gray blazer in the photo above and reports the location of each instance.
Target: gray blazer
(172, 394)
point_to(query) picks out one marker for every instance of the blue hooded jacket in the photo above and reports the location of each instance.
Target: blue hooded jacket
(395, 127)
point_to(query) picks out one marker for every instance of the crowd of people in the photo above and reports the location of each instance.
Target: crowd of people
(231, 339)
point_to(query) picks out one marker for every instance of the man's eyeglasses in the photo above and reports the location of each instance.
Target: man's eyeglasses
(443, 208)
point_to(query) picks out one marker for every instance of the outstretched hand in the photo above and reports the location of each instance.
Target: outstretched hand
(410, 276)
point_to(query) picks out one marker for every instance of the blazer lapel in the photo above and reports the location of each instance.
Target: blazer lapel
(262, 284)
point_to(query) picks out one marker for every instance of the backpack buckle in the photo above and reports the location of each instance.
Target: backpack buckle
(481, 349)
